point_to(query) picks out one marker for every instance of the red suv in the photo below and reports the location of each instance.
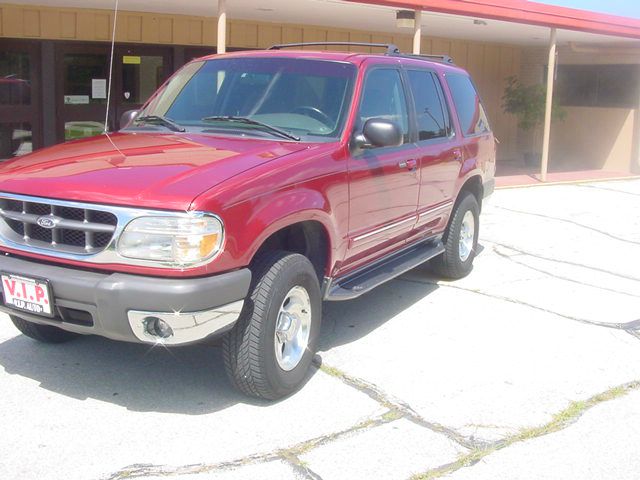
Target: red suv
(249, 189)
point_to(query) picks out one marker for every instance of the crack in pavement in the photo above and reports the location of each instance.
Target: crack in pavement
(608, 190)
(566, 262)
(566, 220)
(560, 421)
(555, 275)
(290, 455)
(401, 408)
(629, 326)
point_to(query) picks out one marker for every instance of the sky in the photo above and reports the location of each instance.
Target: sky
(626, 8)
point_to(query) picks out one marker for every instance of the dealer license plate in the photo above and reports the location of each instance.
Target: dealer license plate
(27, 294)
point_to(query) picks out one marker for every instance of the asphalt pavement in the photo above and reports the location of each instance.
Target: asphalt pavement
(527, 369)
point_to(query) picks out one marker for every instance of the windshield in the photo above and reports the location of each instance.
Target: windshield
(304, 98)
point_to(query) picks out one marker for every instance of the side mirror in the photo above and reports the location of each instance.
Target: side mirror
(378, 132)
(127, 117)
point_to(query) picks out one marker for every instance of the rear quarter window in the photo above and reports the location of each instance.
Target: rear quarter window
(471, 114)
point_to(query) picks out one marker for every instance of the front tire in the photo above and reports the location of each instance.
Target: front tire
(42, 333)
(460, 240)
(269, 351)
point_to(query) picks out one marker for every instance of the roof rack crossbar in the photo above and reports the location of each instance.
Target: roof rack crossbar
(391, 48)
(435, 58)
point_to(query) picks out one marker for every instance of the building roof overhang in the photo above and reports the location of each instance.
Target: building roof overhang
(526, 12)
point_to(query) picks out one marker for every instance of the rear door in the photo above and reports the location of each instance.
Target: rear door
(440, 155)
(383, 182)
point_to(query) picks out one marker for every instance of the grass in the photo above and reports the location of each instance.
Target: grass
(560, 421)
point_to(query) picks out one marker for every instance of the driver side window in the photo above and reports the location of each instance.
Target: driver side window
(383, 97)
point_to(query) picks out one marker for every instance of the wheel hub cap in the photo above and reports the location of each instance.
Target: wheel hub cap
(293, 327)
(467, 236)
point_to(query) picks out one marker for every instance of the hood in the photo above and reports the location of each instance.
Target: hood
(142, 169)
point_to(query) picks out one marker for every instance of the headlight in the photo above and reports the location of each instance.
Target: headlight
(179, 240)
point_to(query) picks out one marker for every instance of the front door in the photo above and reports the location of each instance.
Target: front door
(383, 182)
(19, 98)
(83, 81)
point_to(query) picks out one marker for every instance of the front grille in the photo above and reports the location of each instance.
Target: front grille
(57, 227)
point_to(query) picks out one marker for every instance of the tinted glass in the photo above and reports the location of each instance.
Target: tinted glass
(15, 75)
(81, 70)
(15, 139)
(383, 97)
(141, 76)
(427, 95)
(598, 85)
(470, 111)
(304, 97)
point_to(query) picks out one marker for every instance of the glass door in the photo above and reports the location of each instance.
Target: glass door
(82, 90)
(19, 98)
(138, 71)
(83, 73)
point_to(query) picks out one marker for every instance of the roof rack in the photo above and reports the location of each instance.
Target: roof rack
(391, 48)
(434, 58)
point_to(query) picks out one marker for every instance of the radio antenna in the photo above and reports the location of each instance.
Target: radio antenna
(113, 46)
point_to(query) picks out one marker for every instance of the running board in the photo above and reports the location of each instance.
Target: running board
(366, 280)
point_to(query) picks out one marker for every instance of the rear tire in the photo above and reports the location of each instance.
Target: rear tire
(460, 240)
(269, 351)
(42, 333)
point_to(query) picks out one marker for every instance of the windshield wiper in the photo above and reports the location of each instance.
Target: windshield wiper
(250, 121)
(160, 120)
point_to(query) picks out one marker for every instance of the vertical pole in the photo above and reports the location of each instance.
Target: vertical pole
(222, 26)
(417, 32)
(551, 72)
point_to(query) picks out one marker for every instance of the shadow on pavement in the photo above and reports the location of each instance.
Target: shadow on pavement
(346, 322)
(188, 380)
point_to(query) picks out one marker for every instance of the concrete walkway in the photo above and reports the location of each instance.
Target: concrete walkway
(527, 369)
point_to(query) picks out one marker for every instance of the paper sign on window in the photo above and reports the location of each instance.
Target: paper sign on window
(98, 88)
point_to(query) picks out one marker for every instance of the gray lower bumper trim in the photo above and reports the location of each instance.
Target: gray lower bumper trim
(109, 297)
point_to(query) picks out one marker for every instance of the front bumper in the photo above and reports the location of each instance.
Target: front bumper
(117, 305)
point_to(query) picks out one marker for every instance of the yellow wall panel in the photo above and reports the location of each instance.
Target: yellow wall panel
(134, 28)
(311, 34)
(165, 31)
(49, 23)
(195, 32)
(269, 35)
(31, 23)
(360, 37)
(210, 33)
(150, 29)
(291, 34)
(68, 25)
(404, 43)
(86, 25)
(1, 29)
(339, 36)
(12, 22)
(102, 24)
(180, 31)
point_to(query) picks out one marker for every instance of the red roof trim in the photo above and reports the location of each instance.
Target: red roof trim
(523, 11)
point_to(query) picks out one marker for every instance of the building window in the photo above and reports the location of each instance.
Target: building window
(598, 86)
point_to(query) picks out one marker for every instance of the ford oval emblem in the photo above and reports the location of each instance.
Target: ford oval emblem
(47, 222)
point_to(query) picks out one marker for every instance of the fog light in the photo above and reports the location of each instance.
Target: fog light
(157, 327)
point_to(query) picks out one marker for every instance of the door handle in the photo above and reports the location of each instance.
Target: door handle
(408, 164)
(457, 154)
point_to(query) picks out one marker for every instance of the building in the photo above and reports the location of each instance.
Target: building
(55, 63)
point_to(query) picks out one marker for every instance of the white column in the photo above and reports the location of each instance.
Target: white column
(417, 32)
(222, 26)
(549, 105)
